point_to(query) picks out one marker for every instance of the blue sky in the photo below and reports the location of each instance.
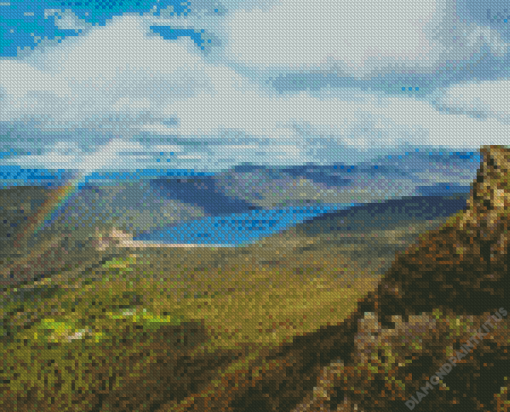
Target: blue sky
(206, 85)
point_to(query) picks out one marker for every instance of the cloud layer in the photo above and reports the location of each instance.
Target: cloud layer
(141, 91)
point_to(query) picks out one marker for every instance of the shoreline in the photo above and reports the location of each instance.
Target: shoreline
(140, 244)
(120, 239)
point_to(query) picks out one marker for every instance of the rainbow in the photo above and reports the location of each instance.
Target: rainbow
(44, 215)
(62, 194)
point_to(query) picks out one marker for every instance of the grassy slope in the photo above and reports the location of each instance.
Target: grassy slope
(236, 303)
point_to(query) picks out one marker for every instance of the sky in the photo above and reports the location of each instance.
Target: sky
(207, 85)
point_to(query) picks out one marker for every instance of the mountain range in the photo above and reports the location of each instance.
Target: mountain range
(353, 310)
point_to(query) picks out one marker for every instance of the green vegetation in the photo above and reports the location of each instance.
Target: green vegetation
(115, 331)
(52, 340)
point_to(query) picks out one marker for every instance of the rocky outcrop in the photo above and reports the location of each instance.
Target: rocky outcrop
(432, 362)
(462, 266)
(437, 297)
(440, 310)
(102, 242)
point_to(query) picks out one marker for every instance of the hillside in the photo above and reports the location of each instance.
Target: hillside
(321, 317)
(144, 206)
(435, 296)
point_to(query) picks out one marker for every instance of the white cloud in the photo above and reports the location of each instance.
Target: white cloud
(109, 70)
(131, 105)
(116, 154)
(360, 37)
(301, 119)
(63, 155)
(189, 157)
(488, 98)
(66, 19)
(19, 78)
(166, 148)
(118, 80)
(463, 131)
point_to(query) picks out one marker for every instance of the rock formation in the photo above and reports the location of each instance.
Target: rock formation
(438, 294)
(462, 266)
(440, 310)
(115, 238)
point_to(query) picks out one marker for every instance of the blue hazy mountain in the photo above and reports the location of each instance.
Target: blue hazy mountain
(203, 192)
(233, 200)
(442, 189)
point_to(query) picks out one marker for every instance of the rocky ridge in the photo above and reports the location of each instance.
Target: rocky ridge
(443, 301)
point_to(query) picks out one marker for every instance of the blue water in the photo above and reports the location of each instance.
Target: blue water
(233, 217)
(243, 228)
(238, 228)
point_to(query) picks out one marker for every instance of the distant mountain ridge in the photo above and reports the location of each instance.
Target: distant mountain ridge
(404, 209)
(138, 207)
(436, 295)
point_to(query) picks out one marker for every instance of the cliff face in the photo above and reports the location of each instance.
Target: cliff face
(450, 289)
(451, 286)
(462, 266)
(490, 200)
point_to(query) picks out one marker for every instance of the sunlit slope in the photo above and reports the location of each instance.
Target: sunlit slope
(231, 304)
